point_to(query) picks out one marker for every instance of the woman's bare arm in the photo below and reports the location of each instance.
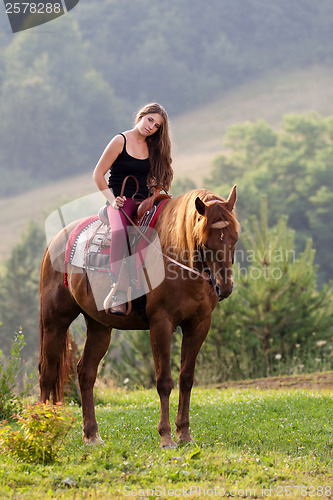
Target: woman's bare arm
(109, 155)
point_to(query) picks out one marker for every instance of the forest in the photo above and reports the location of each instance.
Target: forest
(293, 167)
(65, 90)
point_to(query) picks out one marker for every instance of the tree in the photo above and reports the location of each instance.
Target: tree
(19, 284)
(293, 167)
(238, 40)
(51, 101)
(66, 90)
(180, 186)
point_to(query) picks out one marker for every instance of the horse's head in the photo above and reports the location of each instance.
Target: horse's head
(221, 235)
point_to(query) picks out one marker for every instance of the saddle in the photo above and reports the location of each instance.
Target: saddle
(147, 204)
(143, 207)
(89, 244)
(97, 256)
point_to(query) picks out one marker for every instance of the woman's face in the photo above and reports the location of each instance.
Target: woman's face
(149, 124)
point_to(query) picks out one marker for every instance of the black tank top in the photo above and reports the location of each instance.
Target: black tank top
(125, 165)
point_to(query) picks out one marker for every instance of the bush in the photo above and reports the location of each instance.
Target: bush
(42, 428)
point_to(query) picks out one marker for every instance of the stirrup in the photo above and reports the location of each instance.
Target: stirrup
(118, 304)
(115, 303)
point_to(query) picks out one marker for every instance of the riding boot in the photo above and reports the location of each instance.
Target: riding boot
(118, 304)
(116, 300)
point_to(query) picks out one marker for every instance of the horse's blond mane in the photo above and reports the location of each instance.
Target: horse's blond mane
(182, 229)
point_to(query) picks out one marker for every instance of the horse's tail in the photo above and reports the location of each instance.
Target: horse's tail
(63, 370)
(63, 367)
(64, 364)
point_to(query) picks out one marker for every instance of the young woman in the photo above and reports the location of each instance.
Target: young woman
(144, 152)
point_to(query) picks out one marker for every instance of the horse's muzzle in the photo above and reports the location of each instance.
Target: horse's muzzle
(223, 293)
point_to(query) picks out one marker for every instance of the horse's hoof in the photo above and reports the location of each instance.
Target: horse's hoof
(96, 441)
(184, 437)
(183, 442)
(165, 444)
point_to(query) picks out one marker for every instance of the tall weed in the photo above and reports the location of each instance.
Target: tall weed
(10, 400)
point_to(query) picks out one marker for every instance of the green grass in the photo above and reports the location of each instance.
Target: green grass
(245, 441)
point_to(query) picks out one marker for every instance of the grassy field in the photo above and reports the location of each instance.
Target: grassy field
(197, 139)
(249, 443)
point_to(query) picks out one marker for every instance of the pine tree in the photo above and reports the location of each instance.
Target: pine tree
(276, 310)
(19, 283)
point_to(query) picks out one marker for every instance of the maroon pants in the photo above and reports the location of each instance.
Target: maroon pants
(118, 224)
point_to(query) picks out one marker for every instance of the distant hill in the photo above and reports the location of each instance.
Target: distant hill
(197, 139)
(198, 134)
(66, 87)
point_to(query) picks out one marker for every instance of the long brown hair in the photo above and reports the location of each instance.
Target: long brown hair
(159, 146)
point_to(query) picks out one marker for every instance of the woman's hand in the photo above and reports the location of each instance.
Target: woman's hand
(118, 202)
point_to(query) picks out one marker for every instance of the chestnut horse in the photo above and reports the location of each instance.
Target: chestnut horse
(198, 229)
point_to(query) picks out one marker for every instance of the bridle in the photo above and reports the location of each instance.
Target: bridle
(210, 276)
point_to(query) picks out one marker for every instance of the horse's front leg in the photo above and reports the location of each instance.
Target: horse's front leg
(97, 343)
(160, 337)
(193, 337)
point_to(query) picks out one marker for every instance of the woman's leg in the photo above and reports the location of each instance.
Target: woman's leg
(118, 224)
(115, 302)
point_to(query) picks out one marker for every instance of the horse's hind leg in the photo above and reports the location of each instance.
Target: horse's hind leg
(193, 338)
(97, 343)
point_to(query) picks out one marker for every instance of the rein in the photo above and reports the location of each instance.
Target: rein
(170, 259)
(209, 277)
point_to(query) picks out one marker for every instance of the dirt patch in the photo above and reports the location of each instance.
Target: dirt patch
(310, 381)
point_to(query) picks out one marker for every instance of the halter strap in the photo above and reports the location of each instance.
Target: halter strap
(210, 276)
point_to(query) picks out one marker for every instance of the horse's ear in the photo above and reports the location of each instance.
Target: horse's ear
(230, 203)
(200, 206)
